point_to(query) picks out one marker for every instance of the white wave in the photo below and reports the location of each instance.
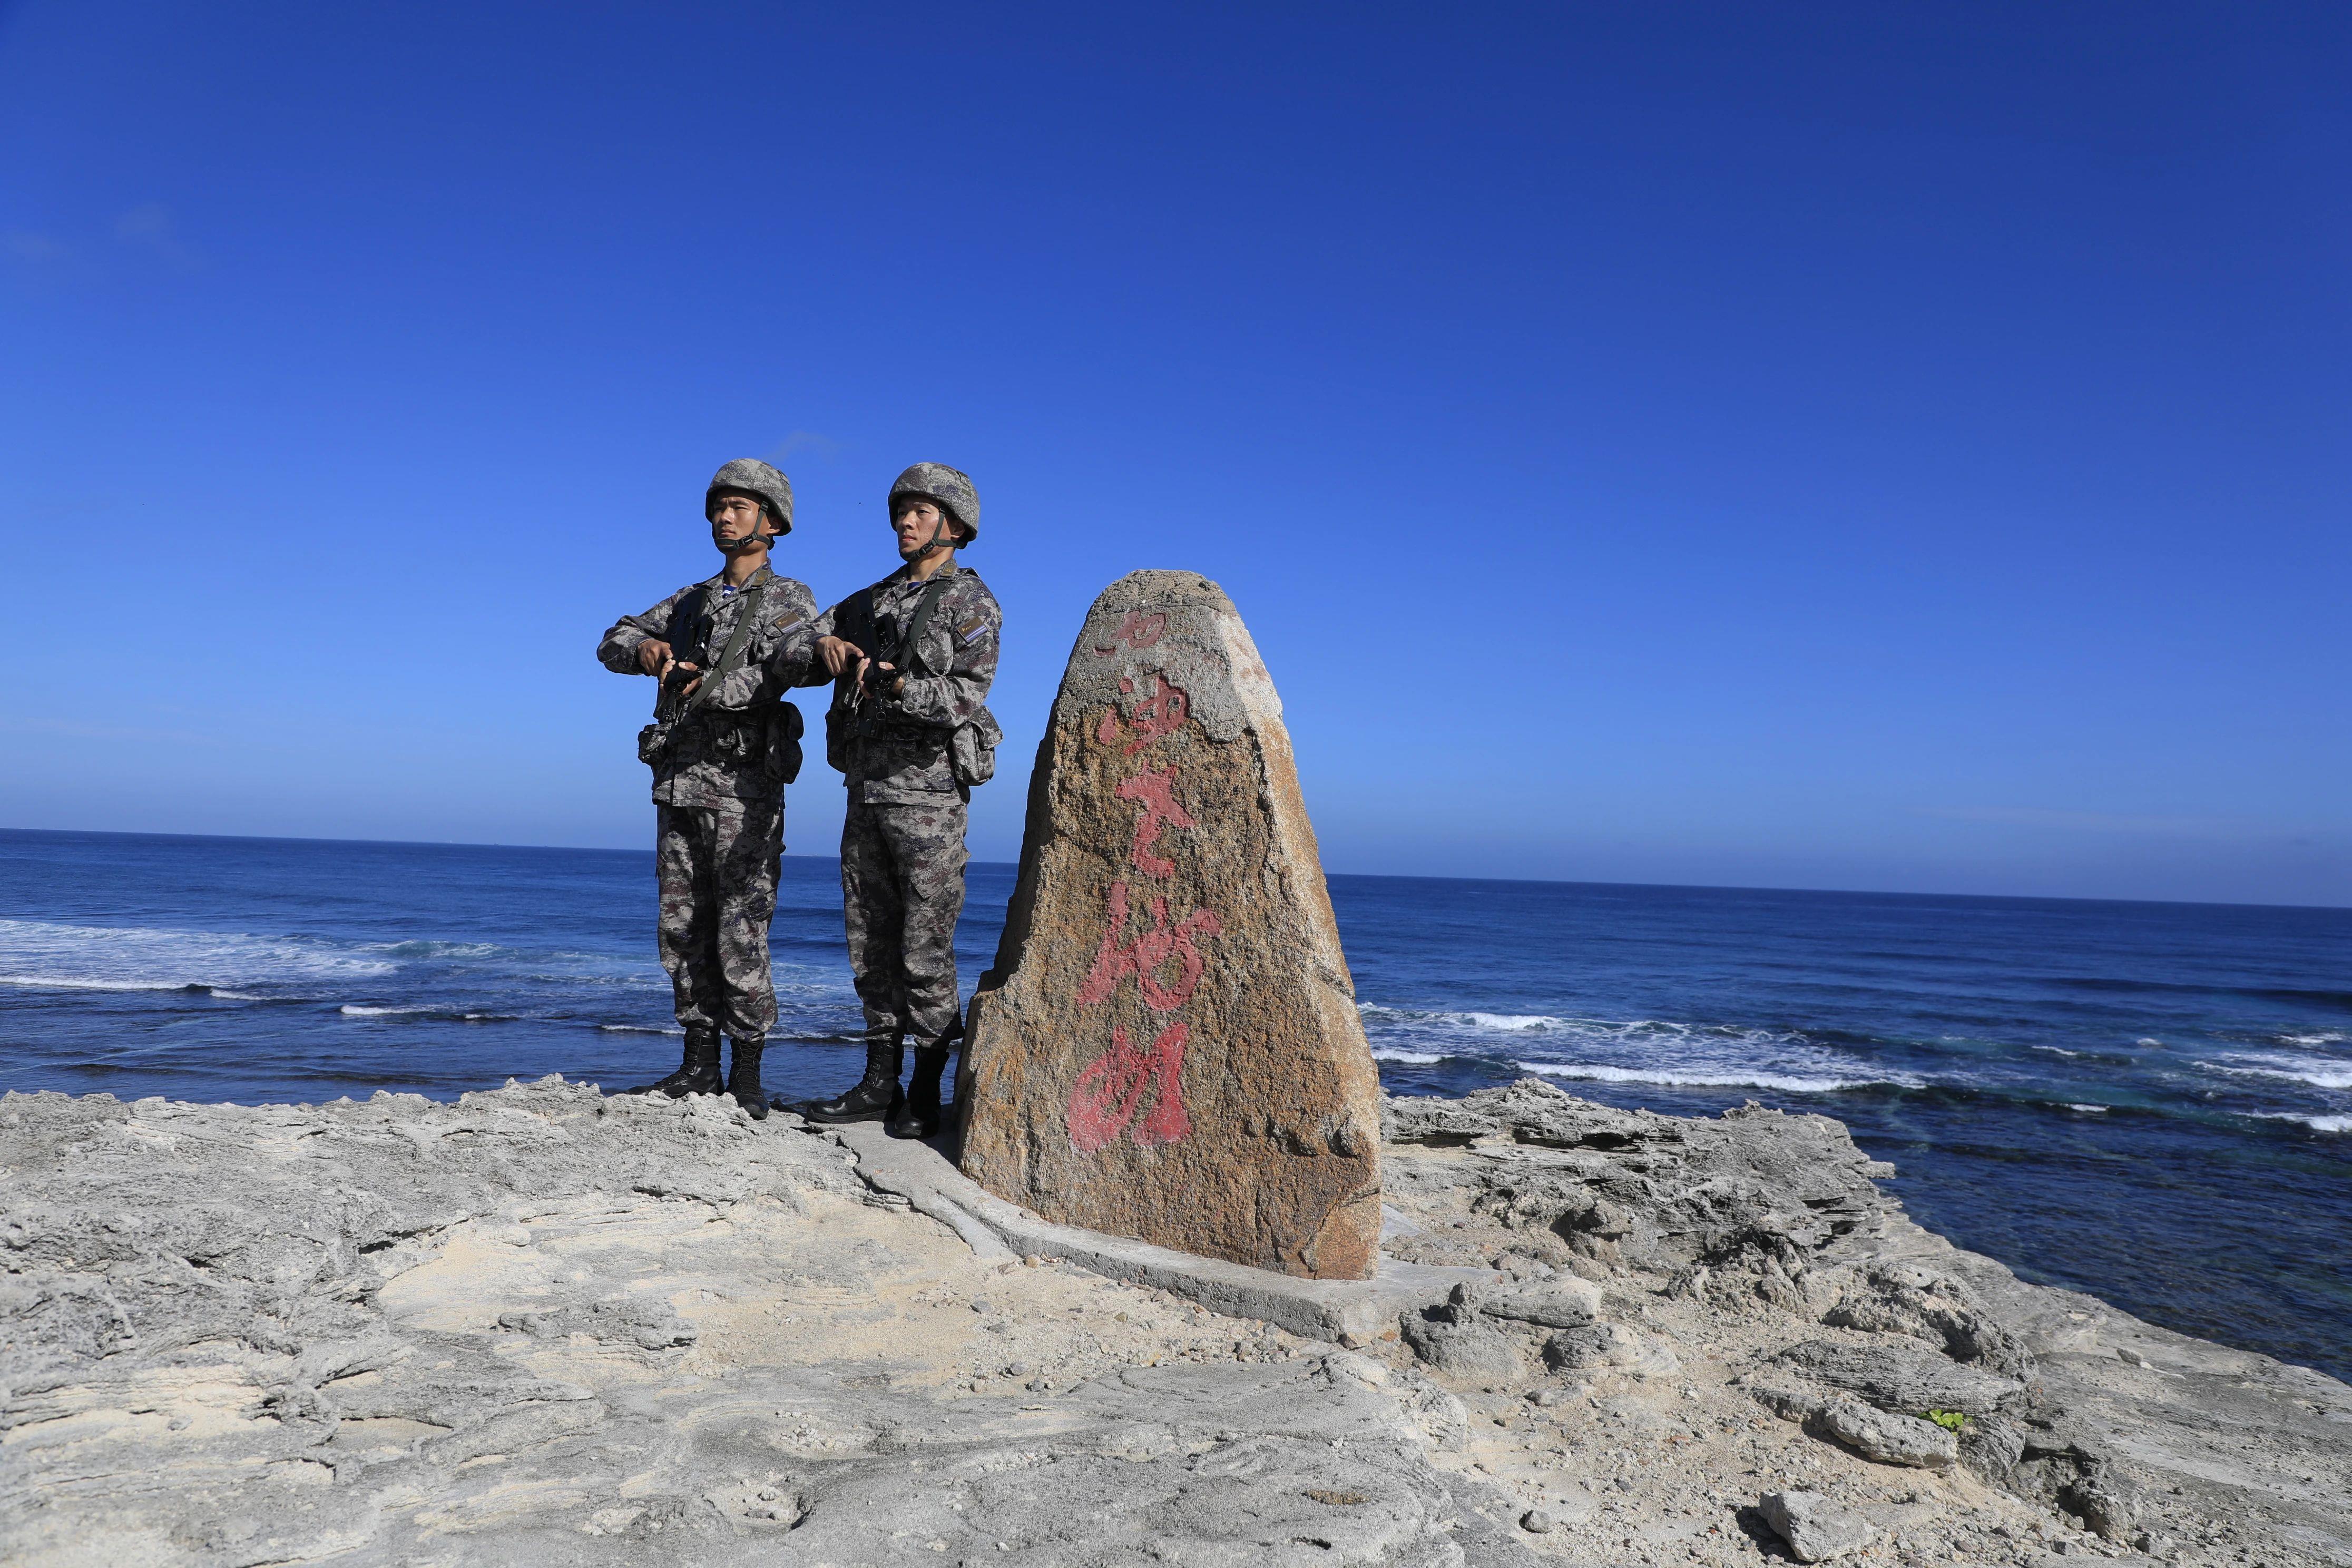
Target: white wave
(2321, 1072)
(634, 1029)
(60, 982)
(2150, 1041)
(53, 954)
(1612, 1050)
(1598, 1073)
(1511, 1021)
(2089, 1110)
(2055, 1050)
(193, 988)
(2316, 1123)
(2325, 1037)
(426, 948)
(352, 1010)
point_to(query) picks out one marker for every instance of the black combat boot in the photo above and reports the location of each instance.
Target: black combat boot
(918, 1115)
(875, 1095)
(699, 1074)
(743, 1078)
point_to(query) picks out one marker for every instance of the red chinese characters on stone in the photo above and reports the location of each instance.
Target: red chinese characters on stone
(1151, 951)
(1162, 712)
(1139, 630)
(1162, 957)
(1156, 794)
(1106, 1096)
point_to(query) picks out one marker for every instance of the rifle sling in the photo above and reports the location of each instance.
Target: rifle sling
(731, 656)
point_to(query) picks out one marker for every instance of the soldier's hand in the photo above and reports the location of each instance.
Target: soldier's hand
(681, 667)
(654, 657)
(839, 654)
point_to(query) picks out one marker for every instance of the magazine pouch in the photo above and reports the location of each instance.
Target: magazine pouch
(972, 750)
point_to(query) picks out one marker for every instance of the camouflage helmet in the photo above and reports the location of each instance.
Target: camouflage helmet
(753, 478)
(950, 487)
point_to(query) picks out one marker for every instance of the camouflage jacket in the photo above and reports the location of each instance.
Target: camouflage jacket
(899, 749)
(733, 746)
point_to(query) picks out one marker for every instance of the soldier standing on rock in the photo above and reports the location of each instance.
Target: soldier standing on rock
(911, 657)
(722, 746)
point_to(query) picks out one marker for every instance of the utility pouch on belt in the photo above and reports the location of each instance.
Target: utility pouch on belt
(972, 751)
(784, 731)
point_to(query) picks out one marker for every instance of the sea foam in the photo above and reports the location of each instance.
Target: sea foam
(2321, 1072)
(1598, 1073)
(53, 955)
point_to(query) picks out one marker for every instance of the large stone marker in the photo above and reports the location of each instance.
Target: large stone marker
(1168, 1046)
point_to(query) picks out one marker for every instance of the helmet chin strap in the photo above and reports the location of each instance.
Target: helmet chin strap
(751, 541)
(938, 541)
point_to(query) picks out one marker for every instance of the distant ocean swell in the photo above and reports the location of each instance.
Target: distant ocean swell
(2299, 1078)
(415, 980)
(2155, 1081)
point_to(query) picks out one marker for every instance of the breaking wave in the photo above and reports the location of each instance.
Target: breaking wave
(1637, 1050)
(1500, 1021)
(2320, 1072)
(1595, 1072)
(352, 1010)
(2338, 1123)
(48, 955)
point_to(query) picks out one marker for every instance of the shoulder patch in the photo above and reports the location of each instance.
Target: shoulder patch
(790, 622)
(970, 631)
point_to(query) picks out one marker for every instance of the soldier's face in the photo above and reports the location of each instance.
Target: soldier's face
(733, 521)
(916, 523)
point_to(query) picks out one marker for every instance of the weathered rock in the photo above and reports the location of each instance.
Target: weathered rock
(1740, 1205)
(1815, 1528)
(1606, 1347)
(1454, 1339)
(234, 1335)
(1931, 1305)
(1560, 1303)
(1900, 1376)
(543, 1326)
(1168, 1046)
(1887, 1438)
(1467, 1351)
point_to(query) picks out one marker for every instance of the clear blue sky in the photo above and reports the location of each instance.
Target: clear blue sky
(1894, 447)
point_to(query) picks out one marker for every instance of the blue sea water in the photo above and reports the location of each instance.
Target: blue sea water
(2149, 1101)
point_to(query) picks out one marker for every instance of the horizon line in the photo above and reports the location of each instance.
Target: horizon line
(1387, 876)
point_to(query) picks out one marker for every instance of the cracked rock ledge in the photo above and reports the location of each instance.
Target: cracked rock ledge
(543, 1326)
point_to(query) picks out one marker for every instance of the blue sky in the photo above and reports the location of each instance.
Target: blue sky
(1835, 446)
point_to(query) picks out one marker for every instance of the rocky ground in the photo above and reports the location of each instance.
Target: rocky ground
(544, 1326)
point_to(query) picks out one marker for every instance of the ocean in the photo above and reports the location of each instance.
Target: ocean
(2152, 1102)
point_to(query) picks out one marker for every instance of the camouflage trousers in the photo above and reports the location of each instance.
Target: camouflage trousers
(717, 866)
(902, 888)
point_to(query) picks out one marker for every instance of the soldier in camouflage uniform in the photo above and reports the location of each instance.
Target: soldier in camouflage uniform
(721, 757)
(912, 658)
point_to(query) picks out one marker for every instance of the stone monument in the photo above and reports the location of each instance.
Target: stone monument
(1168, 1046)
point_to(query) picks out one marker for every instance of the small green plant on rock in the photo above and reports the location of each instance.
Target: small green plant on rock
(1950, 1420)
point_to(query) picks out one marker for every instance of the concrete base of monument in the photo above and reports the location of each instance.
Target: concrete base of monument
(1345, 1311)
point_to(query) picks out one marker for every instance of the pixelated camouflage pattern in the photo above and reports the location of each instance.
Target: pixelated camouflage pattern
(901, 755)
(753, 476)
(902, 890)
(951, 487)
(717, 867)
(726, 750)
